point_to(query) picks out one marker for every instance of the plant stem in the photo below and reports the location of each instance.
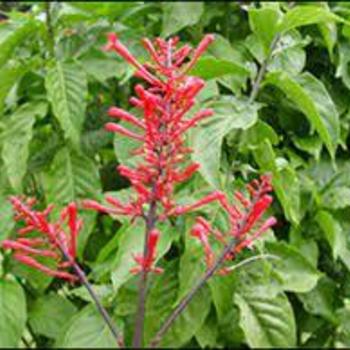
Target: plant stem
(140, 315)
(83, 279)
(187, 299)
(263, 68)
(151, 220)
(50, 31)
(26, 343)
(81, 274)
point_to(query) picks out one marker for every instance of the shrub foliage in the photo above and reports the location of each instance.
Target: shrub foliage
(277, 79)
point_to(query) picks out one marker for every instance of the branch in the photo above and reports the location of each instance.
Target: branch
(81, 274)
(151, 220)
(187, 299)
(263, 68)
(140, 315)
(83, 279)
(50, 31)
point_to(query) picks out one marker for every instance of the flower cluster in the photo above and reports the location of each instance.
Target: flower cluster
(165, 106)
(244, 220)
(40, 238)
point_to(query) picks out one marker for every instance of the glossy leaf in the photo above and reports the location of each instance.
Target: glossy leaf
(285, 181)
(229, 114)
(306, 15)
(264, 23)
(266, 321)
(86, 329)
(130, 242)
(295, 271)
(194, 315)
(15, 141)
(13, 313)
(67, 89)
(13, 34)
(49, 314)
(211, 67)
(71, 176)
(179, 15)
(312, 98)
(335, 236)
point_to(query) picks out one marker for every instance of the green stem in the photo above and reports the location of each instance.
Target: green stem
(50, 30)
(263, 69)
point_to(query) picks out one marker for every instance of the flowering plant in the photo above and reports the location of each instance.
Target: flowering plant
(166, 105)
(166, 108)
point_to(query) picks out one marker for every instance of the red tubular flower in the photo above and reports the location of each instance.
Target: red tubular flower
(146, 263)
(201, 231)
(53, 242)
(165, 104)
(244, 219)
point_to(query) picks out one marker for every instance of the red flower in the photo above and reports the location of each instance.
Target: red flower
(165, 105)
(146, 263)
(244, 218)
(53, 241)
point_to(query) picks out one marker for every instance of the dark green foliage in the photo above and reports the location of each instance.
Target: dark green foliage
(56, 85)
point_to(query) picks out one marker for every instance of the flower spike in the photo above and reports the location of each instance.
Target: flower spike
(54, 242)
(165, 102)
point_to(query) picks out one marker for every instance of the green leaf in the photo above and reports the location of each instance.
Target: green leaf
(255, 135)
(161, 298)
(296, 272)
(321, 299)
(229, 113)
(105, 9)
(123, 146)
(12, 34)
(71, 176)
(189, 321)
(342, 337)
(264, 23)
(335, 236)
(36, 279)
(178, 15)
(6, 218)
(227, 312)
(130, 242)
(102, 69)
(15, 139)
(89, 220)
(12, 313)
(336, 197)
(86, 329)
(191, 265)
(66, 87)
(267, 321)
(222, 50)
(306, 246)
(49, 314)
(310, 144)
(311, 97)
(306, 15)
(289, 59)
(211, 67)
(10, 74)
(104, 293)
(343, 71)
(329, 33)
(208, 333)
(285, 180)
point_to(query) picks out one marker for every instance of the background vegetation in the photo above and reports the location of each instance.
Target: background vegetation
(55, 88)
